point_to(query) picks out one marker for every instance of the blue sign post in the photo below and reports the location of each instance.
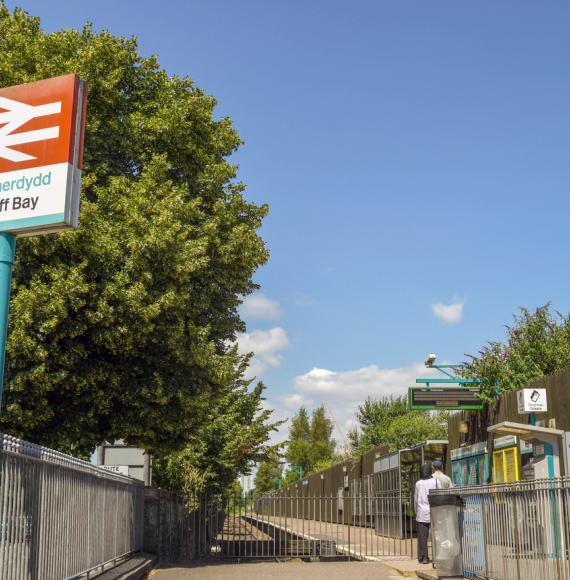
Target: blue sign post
(7, 251)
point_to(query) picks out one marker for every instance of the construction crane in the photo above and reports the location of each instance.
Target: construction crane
(345, 445)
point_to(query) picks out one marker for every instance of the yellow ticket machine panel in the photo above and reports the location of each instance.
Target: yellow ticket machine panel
(506, 462)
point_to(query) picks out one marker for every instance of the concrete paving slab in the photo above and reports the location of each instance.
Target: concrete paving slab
(411, 568)
(431, 575)
(292, 570)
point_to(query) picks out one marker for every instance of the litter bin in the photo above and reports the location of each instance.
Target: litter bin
(445, 538)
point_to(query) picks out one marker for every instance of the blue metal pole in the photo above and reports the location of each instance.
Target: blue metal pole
(532, 419)
(7, 252)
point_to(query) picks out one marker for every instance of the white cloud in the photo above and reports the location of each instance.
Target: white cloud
(266, 346)
(295, 400)
(449, 313)
(356, 385)
(343, 391)
(260, 306)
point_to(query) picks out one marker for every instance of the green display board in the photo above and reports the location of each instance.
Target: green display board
(445, 398)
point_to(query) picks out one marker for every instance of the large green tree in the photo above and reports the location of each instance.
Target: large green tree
(374, 417)
(228, 443)
(536, 344)
(298, 446)
(124, 327)
(322, 443)
(415, 428)
(310, 444)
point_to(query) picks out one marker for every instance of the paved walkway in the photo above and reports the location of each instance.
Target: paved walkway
(293, 570)
(355, 541)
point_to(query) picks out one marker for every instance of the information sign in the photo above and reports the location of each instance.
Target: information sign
(442, 398)
(41, 155)
(532, 401)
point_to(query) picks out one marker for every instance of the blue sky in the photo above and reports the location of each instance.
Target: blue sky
(413, 153)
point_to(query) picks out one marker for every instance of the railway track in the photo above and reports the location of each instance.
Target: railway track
(236, 529)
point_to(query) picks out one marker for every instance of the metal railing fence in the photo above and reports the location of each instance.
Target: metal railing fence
(516, 531)
(312, 526)
(61, 517)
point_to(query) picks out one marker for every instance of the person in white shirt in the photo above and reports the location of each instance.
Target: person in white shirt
(440, 477)
(421, 504)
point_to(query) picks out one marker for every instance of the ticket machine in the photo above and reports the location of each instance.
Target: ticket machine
(506, 459)
(547, 457)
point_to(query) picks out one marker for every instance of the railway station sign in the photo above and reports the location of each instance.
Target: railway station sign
(445, 398)
(41, 155)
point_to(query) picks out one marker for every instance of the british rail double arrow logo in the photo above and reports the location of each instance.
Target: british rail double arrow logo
(18, 114)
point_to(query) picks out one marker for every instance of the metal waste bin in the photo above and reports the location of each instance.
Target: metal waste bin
(446, 539)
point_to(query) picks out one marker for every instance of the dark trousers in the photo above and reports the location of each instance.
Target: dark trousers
(423, 533)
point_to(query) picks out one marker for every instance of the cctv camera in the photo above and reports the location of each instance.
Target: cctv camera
(430, 359)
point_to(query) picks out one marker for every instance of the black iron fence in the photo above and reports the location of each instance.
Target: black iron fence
(61, 517)
(378, 527)
(516, 531)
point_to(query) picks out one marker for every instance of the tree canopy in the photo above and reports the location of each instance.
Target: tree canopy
(231, 439)
(310, 444)
(298, 446)
(322, 443)
(537, 344)
(124, 327)
(268, 475)
(388, 420)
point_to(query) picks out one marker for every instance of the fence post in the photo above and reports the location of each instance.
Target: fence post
(516, 536)
(344, 518)
(286, 541)
(484, 526)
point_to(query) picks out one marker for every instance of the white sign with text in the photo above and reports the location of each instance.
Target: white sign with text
(41, 155)
(122, 469)
(532, 401)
